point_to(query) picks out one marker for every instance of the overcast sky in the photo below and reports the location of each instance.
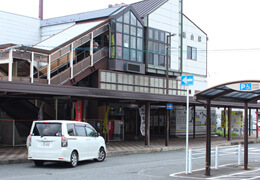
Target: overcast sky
(232, 26)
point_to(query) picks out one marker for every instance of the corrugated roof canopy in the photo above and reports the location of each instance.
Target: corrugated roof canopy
(247, 91)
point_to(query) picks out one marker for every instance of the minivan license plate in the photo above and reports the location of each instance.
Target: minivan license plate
(46, 143)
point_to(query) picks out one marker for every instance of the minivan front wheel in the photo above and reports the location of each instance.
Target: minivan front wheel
(101, 155)
(74, 159)
(38, 163)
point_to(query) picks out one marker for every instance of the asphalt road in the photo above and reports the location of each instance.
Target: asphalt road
(152, 166)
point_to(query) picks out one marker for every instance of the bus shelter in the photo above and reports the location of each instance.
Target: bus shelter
(246, 92)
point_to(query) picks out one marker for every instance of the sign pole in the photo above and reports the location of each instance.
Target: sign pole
(187, 131)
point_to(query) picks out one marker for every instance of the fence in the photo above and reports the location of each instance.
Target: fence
(221, 151)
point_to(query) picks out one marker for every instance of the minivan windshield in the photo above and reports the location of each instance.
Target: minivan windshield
(47, 129)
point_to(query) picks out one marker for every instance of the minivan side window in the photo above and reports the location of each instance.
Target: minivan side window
(90, 132)
(80, 130)
(71, 129)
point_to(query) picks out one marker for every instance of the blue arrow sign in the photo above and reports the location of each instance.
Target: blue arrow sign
(187, 80)
(245, 86)
(169, 106)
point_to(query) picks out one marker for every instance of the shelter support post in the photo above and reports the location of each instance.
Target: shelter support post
(147, 124)
(194, 122)
(246, 137)
(229, 123)
(208, 139)
(249, 123)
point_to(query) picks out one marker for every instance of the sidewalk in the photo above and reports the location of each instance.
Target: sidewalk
(10, 155)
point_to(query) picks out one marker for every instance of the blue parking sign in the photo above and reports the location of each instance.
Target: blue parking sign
(245, 86)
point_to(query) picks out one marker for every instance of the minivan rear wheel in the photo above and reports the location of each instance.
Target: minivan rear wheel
(74, 159)
(38, 163)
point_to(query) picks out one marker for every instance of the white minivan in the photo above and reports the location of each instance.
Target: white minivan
(67, 141)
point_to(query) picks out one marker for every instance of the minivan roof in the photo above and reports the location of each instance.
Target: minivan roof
(59, 121)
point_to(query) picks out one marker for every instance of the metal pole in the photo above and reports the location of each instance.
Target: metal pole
(216, 157)
(208, 141)
(239, 155)
(187, 129)
(190, 161)
(249, 122)
(13, 143)
(225, 123)
(246, 138)
(32, 68)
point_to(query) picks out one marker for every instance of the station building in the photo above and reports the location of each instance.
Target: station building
(143, 47)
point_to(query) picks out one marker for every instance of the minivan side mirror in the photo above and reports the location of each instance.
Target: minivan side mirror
(97, 134)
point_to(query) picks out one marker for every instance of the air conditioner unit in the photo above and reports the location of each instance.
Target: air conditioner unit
(135, 68)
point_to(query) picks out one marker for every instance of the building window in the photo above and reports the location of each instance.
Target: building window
(199, 39)
(192, 37)
(156, 47)
(191, 53)
(184, 34)
(129, 38)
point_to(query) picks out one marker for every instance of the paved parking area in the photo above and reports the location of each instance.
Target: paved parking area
(19, 154)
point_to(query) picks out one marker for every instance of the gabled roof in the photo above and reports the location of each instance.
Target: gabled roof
(97, 14)
(145, 7)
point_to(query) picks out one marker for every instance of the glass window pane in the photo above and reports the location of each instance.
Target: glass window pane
(126, 29)
(133, 19)
(194, 53)
(162, 60)
(139, 43)
(150, 34)
(120, 19)
(118, 39)
(162, 36)
(150, 58)
(119, 27)
(132, 55)
(139, 56)
(126, 54)
(150, 46)
(156, 35)
(133, 30)
(126, 18)
(156, 47)
(155, 59)
(119, 52)
(133, 42)
(139, 24)
(126, 41)
(162, 49)
(139, 32)
(188, 52)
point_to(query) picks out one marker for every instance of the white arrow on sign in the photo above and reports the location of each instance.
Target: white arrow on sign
(186, 80)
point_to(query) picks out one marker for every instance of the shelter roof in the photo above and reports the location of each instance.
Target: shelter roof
(246, 91)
